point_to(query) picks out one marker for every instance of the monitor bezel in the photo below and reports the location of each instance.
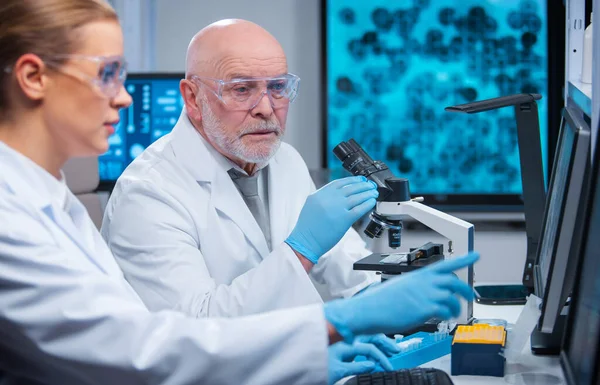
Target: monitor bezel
(555, 17)
(590, 202)
(554, 289)
(108, 185)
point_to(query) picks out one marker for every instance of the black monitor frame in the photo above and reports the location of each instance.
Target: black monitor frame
(587, 252)
(556, 287)
(108, 185)
(479, 202)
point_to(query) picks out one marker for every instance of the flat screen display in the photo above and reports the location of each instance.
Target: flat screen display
(393, 66)
(581, 346)
(157, 104)
(557, 196)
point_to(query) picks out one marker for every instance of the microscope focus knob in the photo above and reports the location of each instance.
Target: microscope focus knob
(400, 190)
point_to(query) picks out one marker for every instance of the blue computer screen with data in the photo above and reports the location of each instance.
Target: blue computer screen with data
(393, 66)
(156, 106)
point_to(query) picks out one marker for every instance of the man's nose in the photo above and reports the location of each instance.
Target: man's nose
(263, 107)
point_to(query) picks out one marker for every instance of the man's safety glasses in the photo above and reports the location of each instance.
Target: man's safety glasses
(246, 93)
(111, 74)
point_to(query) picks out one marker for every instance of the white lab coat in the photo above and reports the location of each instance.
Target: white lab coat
(186, 240)
(67, 315)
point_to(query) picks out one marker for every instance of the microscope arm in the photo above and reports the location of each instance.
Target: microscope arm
(455, 229)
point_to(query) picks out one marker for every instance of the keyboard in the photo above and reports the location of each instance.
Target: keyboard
(415, 376)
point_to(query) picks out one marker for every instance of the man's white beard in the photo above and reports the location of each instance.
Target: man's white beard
(232, 145)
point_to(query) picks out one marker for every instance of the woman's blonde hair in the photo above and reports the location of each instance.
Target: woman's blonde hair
(44, 28)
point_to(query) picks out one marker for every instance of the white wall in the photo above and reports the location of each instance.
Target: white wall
(295, 23)
(137, 19)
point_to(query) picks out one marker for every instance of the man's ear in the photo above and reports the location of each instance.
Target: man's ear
(30, 73)
(189, 93)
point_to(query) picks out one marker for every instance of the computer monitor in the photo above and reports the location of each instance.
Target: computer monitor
(580, 352)
(556, 263)
(391, 66)
(157, 104)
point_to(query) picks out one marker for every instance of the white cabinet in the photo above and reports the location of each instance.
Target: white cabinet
(582, 94)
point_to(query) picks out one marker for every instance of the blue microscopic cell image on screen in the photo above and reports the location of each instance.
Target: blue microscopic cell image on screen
(157, 104)
(393, 66)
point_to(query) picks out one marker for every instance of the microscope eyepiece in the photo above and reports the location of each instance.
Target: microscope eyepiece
(354, 158)
(342, 151)
(358, 162)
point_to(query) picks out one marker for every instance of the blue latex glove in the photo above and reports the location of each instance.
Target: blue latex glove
(342, 354)
(403, 302)
(328, 214)
(369, 287)
(387, 345)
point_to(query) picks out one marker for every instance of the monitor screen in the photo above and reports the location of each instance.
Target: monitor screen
(157, 104)
(561, 234)
(392, 67)
(580, 355)
(556, 197)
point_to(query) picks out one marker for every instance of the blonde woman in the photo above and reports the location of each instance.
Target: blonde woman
(67, 315)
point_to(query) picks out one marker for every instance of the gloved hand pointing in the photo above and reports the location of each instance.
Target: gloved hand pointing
(328, 214)
(403, 302)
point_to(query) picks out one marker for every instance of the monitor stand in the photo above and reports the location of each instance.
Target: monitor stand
(546, 344)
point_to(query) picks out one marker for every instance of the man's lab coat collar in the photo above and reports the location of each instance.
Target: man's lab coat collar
(207, 165)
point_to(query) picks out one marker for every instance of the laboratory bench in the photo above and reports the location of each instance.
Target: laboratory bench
(528, 363)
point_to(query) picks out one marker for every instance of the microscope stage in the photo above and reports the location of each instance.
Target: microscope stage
(373, 263)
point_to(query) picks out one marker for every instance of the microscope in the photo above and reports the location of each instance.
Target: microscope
(394, 205)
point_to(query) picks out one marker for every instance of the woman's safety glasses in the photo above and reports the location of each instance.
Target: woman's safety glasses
(246, 93)
(111, 74)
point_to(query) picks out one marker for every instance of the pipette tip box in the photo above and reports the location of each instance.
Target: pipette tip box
(477, 350)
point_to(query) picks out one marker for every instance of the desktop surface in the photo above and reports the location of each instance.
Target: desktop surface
(528, 363)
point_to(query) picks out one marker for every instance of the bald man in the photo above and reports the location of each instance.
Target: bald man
(203, 221)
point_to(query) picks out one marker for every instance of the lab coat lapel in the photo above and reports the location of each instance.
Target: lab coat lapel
(195, 156)
(282, 220)
(27, 184)
(229, 201)
(62, 220)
